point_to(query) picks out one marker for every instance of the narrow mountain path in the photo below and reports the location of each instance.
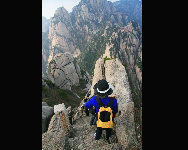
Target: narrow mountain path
(83, 137)
(78, 136)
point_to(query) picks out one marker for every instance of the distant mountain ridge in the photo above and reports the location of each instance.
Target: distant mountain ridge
(45, 24)
(95, 28)
(132, 8)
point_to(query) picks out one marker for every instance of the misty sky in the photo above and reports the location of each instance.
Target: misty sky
(49, 6)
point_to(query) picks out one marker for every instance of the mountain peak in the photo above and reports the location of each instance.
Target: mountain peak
(60, 11)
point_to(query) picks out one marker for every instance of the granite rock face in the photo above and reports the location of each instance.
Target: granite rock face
(78, 136)
(64, 71)
(70, 32)
(98, 73)
(114, 72)
(116, 75)
(54, 139)
(60, 32)
(125, 128)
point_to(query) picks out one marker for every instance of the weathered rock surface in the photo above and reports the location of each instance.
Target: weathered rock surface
(114, 72)
(54, 139)
(79, 136)
(63, 71)
(132, 8)
(116, 75)
(60, 32)
(70, 32)
(130, 52)
(47, 113)
(98, 73)
(125, 128)
(44, 104)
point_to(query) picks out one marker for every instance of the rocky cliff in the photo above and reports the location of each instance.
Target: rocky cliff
(132, 8)
(99, 27)
(60, 32)
(79, 135)
(114, 72)
(106, 41)
(71, 31)
(54, 138)
(64, 71)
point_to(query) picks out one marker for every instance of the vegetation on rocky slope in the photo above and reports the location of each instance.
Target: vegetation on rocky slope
(54, 95)
(94, 49)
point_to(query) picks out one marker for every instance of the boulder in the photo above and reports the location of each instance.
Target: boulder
(64, 71)
(54, 139)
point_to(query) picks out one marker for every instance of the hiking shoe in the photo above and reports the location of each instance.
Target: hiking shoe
(95, 135)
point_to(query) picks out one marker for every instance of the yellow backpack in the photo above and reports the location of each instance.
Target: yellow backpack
(105, 114)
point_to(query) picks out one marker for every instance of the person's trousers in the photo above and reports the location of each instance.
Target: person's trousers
(99, 132)
(93, 120)
(87, 112)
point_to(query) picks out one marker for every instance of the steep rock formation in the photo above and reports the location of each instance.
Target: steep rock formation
(125, 127)
(64, 71)
(78, 136)
(127, 46)
(93, 29)
(114, 72)
(54, 139)
(60, 32)
(70, 32)
(132, 8)
(116, 75)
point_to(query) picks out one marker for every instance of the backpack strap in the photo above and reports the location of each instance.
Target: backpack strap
(111, 101)
(99, 102)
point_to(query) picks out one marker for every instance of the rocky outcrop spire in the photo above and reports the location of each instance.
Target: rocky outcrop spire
(60, 32)
(114, 72)
(54, 138)
(63, 71)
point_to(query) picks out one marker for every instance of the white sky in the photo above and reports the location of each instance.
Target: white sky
(49, 6)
